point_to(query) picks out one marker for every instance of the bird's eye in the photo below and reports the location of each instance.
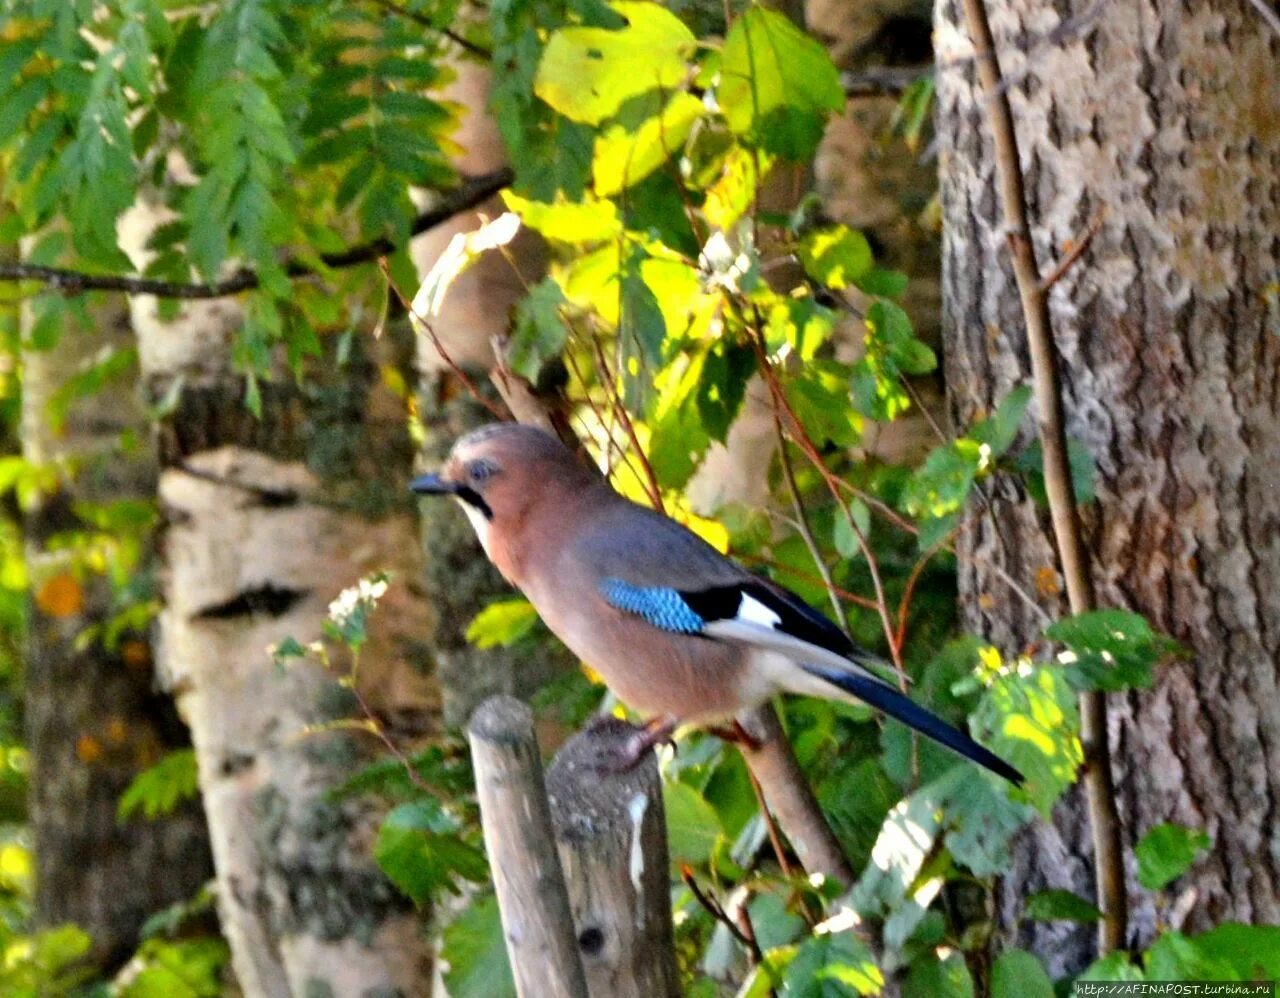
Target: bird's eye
(478, 471)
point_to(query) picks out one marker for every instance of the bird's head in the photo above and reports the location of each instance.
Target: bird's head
(501, 472)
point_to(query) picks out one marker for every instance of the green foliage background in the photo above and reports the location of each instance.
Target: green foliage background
(275, 132)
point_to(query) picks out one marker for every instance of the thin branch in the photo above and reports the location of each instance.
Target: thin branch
(802, 525)
(1074, 252)
(465, 196)
(479, 51)
(1104, 817)
(462, 375)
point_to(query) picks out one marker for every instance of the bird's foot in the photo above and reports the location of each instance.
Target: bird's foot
(737, 735)
(624, 755)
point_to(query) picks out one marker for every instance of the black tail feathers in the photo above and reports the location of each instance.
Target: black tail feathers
(883, 697)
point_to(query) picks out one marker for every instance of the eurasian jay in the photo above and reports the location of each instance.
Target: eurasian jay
(678, 631)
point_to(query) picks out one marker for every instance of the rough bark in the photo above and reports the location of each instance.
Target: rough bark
(94, 715)
(1165, 117)
(267, 519)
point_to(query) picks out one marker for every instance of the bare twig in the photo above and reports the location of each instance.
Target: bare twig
(462, 375)
(802, 525)
(1099, 788)
(464, 197)
(1073, 253)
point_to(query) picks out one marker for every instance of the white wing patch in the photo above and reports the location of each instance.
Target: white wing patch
(752, 611)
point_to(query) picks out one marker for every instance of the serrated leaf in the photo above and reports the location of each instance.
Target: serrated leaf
(160, 788)
(588, 73)
(1167, 852)
(777, 84)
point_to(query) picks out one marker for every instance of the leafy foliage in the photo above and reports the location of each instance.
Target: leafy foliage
(276, 135)
(157, 790)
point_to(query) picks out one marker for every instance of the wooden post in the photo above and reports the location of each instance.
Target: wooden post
(612, 837)
(526, 870)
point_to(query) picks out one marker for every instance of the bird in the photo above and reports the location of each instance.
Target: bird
(681, 633)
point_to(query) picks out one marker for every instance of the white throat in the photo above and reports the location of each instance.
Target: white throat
(478, 523)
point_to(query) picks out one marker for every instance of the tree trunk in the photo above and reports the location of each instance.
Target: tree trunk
(94, 715)
(1163, 116)
(268, 519)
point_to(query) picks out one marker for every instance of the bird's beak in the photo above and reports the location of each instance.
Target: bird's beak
(433, 485)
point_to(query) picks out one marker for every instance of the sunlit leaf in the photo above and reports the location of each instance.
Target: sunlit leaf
(623, 157)
(587, 73)
(777, 85)
(502, 623)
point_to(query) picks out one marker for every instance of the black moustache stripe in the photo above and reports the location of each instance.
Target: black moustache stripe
(472, 498)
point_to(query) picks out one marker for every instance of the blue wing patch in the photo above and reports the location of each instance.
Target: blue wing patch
(660, 606)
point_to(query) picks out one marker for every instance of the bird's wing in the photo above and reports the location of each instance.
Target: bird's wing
(648, 565)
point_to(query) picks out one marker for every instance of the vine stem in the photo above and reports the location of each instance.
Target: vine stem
(1104, 818)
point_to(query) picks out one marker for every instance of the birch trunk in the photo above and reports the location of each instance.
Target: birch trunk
(94, 715)
(268, 519)
(1166, 117)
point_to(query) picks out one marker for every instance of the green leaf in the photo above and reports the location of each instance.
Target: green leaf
(475, 951)
(1056, 904)
(844, 536)
(588, 73)
(1166, 853)
(1018, 974)
(1028, 717)
(1174, 957)
(836, 256)
(1110, 649)
(1083, 479)
(776, 84)
(800, 324)
(623, 156)
(502, 623)
(884, 283)
(832, 965)
(693, 827)
(931, 977)
(540, 330)
(1112, 967)
(999, 430)
(160, 788)
(819, 397)
(568, 222)
(1252, 951)
(419, 849)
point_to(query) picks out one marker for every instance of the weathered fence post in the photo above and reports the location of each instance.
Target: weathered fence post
(612, 837)
(536, 919)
